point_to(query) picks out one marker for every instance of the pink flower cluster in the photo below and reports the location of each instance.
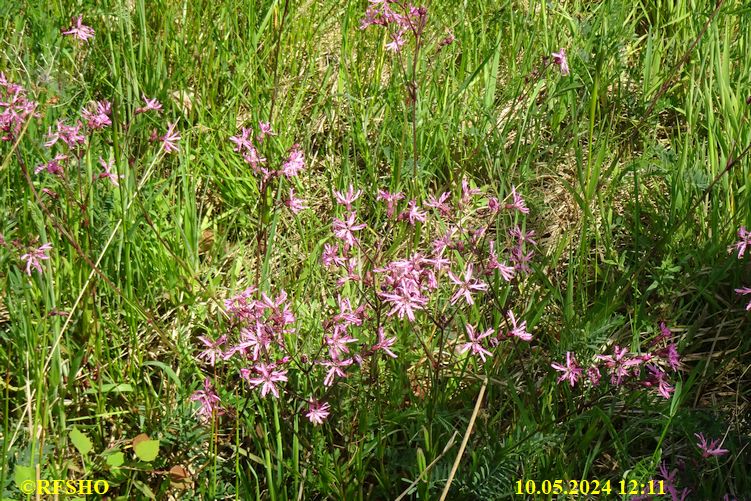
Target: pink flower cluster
(648, 370)
(99, 117)
(210, 403)
(451, 264)
(669, 476)
(258, 349)
(400, 17)
(289, 168)
(262, 325)
(407, 284)
(95, 117)
(69, 134)
(670, 483)
(742, 246)
(15, 109)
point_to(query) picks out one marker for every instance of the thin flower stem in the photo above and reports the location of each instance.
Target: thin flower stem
(467, 433)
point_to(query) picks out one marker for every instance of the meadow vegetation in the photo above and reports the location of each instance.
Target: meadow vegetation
(369, 249)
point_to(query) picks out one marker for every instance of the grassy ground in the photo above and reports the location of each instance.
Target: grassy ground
(634, 167)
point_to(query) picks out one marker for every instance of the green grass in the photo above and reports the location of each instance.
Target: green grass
(634, 168)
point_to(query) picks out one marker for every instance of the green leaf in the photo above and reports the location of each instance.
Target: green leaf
(111, 388)
(115, 460)
(23, 474)
(147, 450)
(80, 441)
(144, 489)
(167, 370)
(675, 401)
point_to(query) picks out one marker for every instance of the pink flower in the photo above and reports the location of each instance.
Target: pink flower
(34, 256)
(744, 291)
(336, 367)
(295, 204)
(268, 376)
(438, 263)
(344, 229)
(475, 235)
(658, 376)
(519, 330)
(242, 140)
(351, 265)
(265, 128)
(317, 411)
(391, 199)
(711, 449)
(170, 138)
(397, 42)
(330, 256)
(405, 302)
(295, 162)
(475, 339)
(522, 236)
(494, 205)
(79, 30)
(507, 272)
(518, 202)
(254, 159)
(371, 18)
(280, 314)
(560, 59)
(571, 371)
(151, 105)
(257, 338)
(348, 198)
(108, 174)
(673, 358)
(241, 305)
(447, 40)
(69, 134)
(53, 166)
(468, 192)
(100, 117)
(593, 373)
(346, 315)
(619, 364)
(669, 478)
(15, 109)
(213, 349)
(467, 285)
(384, 343)
(440, 204)
(665, 331)
(209, 401)
(413, 213)
(337, 342)
(520, 259)
(744, 242)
